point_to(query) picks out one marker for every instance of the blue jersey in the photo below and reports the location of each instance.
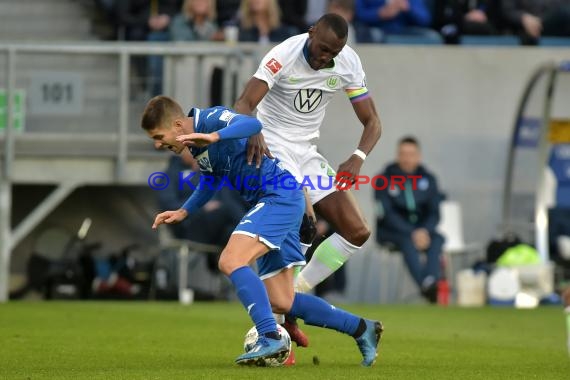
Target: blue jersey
(224, 164)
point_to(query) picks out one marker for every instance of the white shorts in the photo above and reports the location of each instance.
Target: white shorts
(307, 165)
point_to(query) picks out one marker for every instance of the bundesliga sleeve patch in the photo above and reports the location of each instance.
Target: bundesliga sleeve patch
(273, 65)
(227, 116)
(357, 94)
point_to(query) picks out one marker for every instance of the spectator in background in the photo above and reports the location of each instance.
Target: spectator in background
(196, 22)
(109, 12)
(408, 218)
(141, 18)
(536, 18)
(227, 12)
(148, 20)
(108, 6)
(293, 15)
(345, 8)
(260, 22)
(161, 14)
(397, 17)
(213, 223)
(454, 18)
(315, 10)
(132, 18)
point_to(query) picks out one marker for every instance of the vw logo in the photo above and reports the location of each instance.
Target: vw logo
(308, 100)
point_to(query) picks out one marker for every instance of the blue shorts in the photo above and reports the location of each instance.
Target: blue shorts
(275, 220)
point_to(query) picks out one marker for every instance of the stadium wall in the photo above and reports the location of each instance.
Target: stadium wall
(459, 101)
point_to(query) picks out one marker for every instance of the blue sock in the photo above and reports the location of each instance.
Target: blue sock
(317, 312)
(253, 296)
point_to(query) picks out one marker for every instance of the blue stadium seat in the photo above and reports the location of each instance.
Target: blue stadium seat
(397, 39)
(554, 42)
(490, 41)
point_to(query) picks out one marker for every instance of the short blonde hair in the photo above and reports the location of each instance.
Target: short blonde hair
(160, 111)
(273, 12)
(190, 15)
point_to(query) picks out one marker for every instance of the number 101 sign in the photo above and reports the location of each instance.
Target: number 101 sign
(56, 93)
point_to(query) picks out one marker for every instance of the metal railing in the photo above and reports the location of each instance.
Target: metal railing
(234, 57)
(550, 72)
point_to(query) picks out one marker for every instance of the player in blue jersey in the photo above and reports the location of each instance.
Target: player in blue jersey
(269, 232)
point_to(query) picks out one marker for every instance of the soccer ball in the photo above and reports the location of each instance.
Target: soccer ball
(251, 339)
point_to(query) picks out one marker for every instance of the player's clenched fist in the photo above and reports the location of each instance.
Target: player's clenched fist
(170, 217)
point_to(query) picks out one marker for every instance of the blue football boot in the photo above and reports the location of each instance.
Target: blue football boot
(267, 352)
(368, 342)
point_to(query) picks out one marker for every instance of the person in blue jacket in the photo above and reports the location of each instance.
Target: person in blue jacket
(268, 233)
(408, 215)
(399, 17)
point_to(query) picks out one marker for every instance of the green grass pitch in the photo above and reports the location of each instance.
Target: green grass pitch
(119, 340)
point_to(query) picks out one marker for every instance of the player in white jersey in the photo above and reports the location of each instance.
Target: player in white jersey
(291, 90)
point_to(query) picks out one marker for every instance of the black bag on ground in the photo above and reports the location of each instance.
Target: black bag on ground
(497, 247)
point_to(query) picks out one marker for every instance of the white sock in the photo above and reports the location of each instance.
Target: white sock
(330, 255)
(279, 318)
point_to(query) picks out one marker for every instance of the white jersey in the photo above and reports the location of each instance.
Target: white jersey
(294, 108)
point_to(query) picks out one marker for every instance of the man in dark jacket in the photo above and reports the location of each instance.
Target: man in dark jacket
(536, 18)
(143, 17)
(408, 215)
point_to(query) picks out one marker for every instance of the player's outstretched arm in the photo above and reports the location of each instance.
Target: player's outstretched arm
(239, 127)
(199, 197)
(199, 140)
(205, 190)
(366, 112)
(254, 91)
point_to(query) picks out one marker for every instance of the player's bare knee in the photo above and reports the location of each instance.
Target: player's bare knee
(358, 235)
(229, 262)
(223, 266)
(281, 306)
(361, 236)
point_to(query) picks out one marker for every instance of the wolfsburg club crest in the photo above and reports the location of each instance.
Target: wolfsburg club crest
(332, 81)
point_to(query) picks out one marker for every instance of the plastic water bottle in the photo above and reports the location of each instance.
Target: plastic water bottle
(443, 291)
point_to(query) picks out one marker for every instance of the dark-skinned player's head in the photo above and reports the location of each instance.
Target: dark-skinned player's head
(326, 40)
(162, 121)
